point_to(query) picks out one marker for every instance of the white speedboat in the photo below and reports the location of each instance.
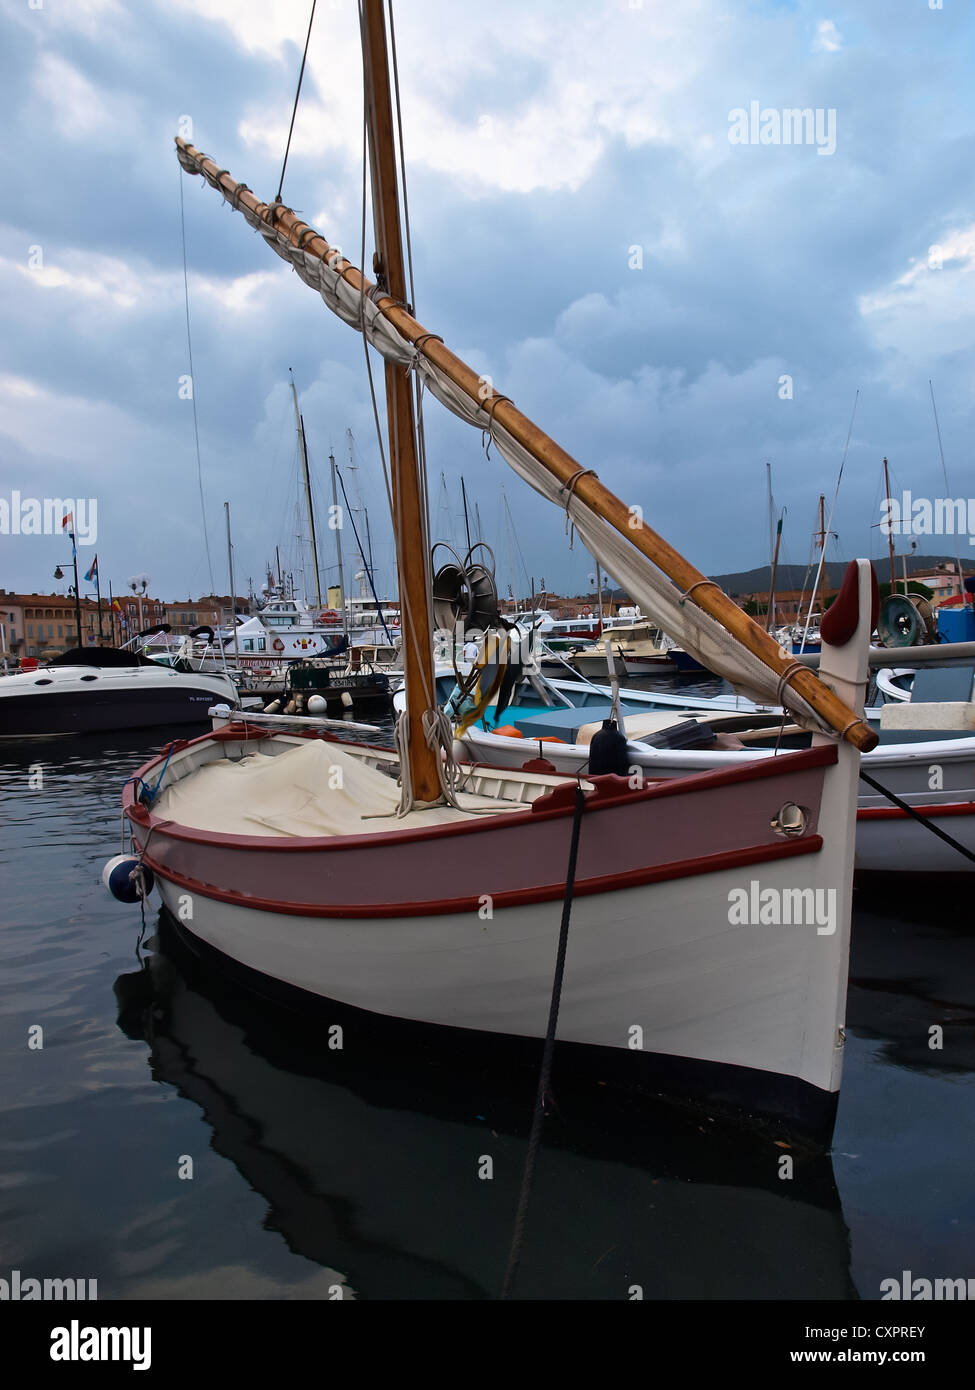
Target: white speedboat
(94, 689)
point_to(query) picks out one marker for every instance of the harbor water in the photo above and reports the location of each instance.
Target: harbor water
(174, 1137)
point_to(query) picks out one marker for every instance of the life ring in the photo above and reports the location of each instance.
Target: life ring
(278, 645)
(587, 612)
(396, 622)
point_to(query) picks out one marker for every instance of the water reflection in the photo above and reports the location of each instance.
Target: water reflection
(370, 1165)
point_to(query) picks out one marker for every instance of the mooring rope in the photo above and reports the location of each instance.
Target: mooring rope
(538, 1118)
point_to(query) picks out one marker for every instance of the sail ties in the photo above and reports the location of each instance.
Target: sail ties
(417, 345)
(786, 677)
(570, 484)
(701, 583)
(569, 488)
(487, 433)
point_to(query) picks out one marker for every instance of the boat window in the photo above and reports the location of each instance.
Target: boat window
(89, 678)
(44, 681)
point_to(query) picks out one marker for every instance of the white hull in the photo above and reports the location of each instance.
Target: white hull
(56, 700)
(662, 958)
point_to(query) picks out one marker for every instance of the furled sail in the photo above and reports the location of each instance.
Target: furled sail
(366, 308)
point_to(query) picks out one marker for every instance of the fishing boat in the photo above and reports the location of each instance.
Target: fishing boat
(638, 648)
(708, 950)
(926, 756)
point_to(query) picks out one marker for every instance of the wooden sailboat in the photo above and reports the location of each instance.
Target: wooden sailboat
(698, 954)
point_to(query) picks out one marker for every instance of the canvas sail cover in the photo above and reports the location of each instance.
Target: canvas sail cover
(679, 616)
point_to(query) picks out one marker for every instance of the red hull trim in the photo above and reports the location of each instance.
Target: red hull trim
(953, 808)
(685, 868)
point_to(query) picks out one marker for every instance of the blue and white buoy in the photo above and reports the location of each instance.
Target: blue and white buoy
(126, 879)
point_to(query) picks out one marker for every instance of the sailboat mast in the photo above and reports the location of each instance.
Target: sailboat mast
(338, 545)
(311, 514)
(409, 504)
(467, 524)
(233, 593)
(770, 615)
(890, 533)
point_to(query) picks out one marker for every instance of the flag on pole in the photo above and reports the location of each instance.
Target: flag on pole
(67, 521)
(92, 576)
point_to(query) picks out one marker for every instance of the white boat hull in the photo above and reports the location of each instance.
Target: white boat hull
(663, 978)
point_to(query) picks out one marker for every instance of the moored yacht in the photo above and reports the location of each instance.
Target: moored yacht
(91, 689)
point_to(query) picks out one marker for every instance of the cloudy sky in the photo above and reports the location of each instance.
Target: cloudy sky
(584, 230)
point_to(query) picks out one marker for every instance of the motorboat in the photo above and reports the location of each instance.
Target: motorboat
(91, 689)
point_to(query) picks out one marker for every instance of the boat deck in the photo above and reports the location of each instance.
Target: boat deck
(310, 788)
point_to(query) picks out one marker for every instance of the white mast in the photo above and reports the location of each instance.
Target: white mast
(304, 466)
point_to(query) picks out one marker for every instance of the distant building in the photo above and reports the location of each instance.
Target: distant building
(787, 603)
(212, 610)
(45, 624)
(137, 613)
(943, 582)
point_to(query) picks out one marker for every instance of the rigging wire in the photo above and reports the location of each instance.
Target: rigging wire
(419, 426)
(294, 109)
(402, 155)
(514, 537)
(944, 470)
(829, 522)
(407, 619)
(189, 348)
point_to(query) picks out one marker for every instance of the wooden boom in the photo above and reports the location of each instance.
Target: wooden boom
(695, 585)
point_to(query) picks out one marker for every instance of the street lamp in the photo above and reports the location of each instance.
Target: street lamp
(59, 574)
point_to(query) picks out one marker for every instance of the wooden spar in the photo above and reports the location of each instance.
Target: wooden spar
(560, 464)
(409, 501)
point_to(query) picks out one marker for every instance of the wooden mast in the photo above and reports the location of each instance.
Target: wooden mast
(557, 461)
(409, 502)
